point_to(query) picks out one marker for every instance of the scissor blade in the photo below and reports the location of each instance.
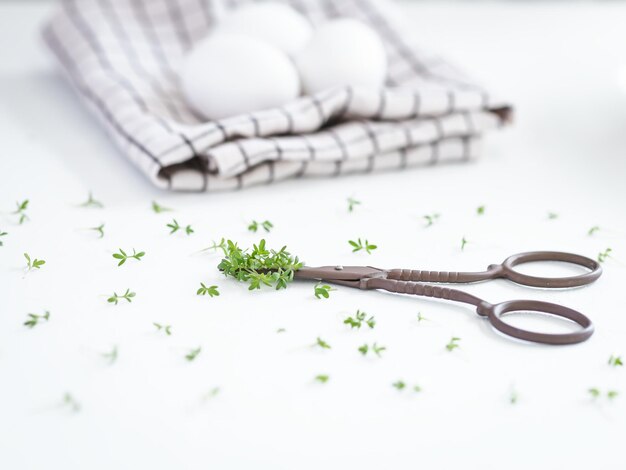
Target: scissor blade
(338, 273)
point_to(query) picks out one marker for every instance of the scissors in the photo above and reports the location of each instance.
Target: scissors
(407, 281)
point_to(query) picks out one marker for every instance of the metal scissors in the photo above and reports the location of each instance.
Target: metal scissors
(407, 281)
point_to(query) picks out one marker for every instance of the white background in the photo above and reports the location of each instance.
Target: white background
(564, 67)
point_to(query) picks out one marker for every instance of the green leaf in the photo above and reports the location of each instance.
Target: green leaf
(322, 344)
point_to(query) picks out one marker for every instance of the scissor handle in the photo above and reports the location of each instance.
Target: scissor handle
(506, 269)
(495, 312)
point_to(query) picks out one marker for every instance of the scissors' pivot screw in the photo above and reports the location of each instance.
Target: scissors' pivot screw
(338, 268)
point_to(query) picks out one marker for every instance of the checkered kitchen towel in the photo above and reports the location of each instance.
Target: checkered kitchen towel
(123, 57)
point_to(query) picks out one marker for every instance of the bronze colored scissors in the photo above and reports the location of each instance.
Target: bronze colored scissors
(407, 281)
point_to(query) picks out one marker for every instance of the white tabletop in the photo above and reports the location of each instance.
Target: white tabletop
(249, 399)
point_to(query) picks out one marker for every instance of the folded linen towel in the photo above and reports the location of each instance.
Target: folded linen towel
(123, 57)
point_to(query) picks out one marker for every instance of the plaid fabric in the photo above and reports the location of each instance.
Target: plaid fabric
(123, 57)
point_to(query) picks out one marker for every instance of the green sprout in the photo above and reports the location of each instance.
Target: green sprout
(593, 230)
(215, 246)
(420, 317)
(453, 344)
(211, 291)
(91, 202)
(260, 267)
(21, 211)
(280, 330)
(358, 246)
(480, 210)
(70, 402)
(463, 243)
(175, 227)
(322, 290)
(603, 255)
(99, 229)
(128, 296)
(167, 329)
(597, 393)
(322, 378)
(157, 208)
(352, 203)
(321, 343)
(365, 349)
(111, 356)
(3, 234)
(358, 319)
(431, 219)
(266, 225)
(615, 361)
(552, 215)
(33, 263)
(34, 319)
(399, 385)
(122, 256)
(513, 397)
(192, 354)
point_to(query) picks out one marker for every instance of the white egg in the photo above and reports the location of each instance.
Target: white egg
(273, 22)
(342, 52)
(228, 74)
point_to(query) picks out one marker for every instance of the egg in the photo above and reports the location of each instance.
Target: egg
(229, 74)
(343, 52)
(272, 22)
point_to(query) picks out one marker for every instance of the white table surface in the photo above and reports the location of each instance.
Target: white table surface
(564, 67)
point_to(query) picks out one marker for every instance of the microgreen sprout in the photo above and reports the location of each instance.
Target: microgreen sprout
(322, 378)
(399, 385)
(192, 354)
(211, 393)
(91, 202)
(593, 230)
(280, 330)
(615, 361)
(480, 210)
(215, 246)
(359, 245)
(21, 211)
(128, 295)
(420, 317)
(603, 255)
(365, 349)
(453, 344)
(122, 256)
(552, 215)
(352, 203)
(322, 290)
(34, 319)
(597, 393)
(157, 208)
(594, 392)
(266, 225)
(174, 226)
(70, 402)
(321, 343)
(262, 266)
(430, 219)
(167, 329)
(2, 234)
(33, 263)
(513, 397)
(111, 356)
(358, 320)
(463, 243)
(99, 229)
(211, 291)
